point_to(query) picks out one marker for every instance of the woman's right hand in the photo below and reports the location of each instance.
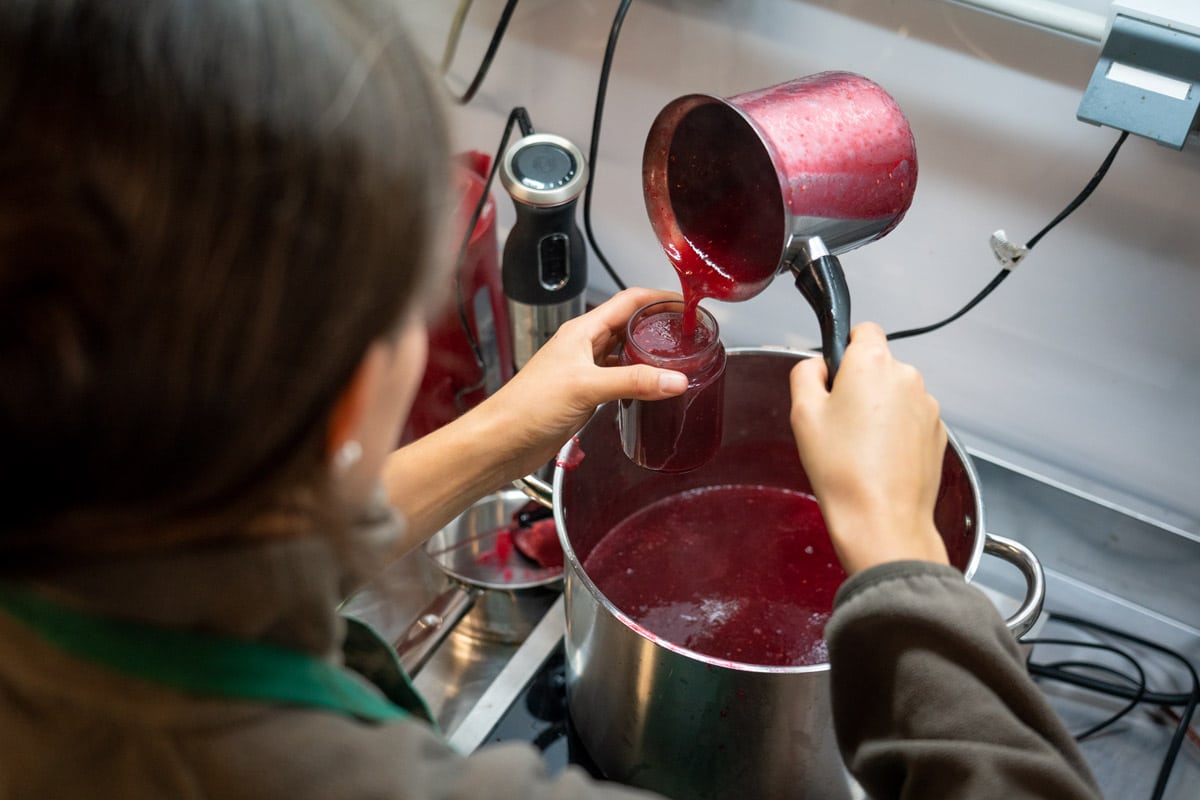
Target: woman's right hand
(873, 449)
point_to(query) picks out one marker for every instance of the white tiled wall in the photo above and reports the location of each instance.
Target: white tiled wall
(1084, 366)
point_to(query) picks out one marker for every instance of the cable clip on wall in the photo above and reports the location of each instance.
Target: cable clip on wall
(1006, 251)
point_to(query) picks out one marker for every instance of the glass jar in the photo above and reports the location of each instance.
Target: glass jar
(679, 433)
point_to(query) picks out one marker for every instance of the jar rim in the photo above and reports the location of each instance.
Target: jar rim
(692, 360)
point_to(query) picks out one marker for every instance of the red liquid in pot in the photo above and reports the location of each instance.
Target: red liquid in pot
(741, 573)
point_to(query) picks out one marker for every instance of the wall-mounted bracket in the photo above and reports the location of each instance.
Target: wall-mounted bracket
(1147, 79)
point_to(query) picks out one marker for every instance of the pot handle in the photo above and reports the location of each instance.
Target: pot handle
(536, 489)
(433, 625)
(823, 285)
(1023, 559)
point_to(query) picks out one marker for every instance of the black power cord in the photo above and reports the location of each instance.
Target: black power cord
(594, 147)
(597, 119)
(519, 117)
(593, 150)
(597, 116)
(489, 55)
(1132, 689)
(1060, 668)
(1008, 268)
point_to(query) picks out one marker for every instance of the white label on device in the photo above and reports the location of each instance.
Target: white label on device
(1150, 81)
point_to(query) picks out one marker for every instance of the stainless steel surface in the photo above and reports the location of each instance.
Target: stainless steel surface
(536, 489)
(507, 686)
(1145, 566)
(1101, 562)
(659, 719)
(460, 668)
(1125, 759)
(476, 548)
(432, 624)
(533, 325)
(475, 551)
(463, 665)
(780, 148)
(838, 235)
(808, 248)
(1127, 570)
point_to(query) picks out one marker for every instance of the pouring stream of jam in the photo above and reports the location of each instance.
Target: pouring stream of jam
(729, 183)
(748, 573)
(724, 193)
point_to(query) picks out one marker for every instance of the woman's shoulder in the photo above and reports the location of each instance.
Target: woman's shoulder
(307, 754)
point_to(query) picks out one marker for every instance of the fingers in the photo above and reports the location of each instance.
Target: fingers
(868, 349)
(873, 452)
(868, 332)
(607, 320)
(614, 312)
(810, 377)
(808, 383)
(636, 382)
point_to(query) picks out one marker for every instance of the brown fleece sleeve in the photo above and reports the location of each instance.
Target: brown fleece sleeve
(931, 698)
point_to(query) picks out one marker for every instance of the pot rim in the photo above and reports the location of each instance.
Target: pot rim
(573, 567)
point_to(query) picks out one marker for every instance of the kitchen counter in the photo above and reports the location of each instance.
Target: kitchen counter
(463, 667)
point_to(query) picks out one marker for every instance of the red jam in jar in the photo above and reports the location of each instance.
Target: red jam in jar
(679, 433)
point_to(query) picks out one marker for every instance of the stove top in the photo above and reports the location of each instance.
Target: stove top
(539, 715)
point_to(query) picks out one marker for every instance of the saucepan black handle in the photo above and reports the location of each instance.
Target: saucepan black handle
(823, 284)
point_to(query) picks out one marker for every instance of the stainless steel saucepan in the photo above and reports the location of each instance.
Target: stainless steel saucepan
(475, 564)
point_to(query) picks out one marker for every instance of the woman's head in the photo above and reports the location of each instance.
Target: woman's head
(208, 212)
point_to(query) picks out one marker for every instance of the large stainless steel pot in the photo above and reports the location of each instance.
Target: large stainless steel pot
(656, 715)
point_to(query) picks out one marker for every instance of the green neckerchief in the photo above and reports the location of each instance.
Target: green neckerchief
(205, 664)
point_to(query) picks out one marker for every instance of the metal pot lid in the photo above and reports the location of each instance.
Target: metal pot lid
(477, 548)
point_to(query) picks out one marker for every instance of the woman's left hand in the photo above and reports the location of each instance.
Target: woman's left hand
(555, 393)
(518, 429)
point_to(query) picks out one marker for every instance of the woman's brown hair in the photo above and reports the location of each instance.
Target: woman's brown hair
(208, 210)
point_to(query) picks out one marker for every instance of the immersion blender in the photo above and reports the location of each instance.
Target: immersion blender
(544, 267)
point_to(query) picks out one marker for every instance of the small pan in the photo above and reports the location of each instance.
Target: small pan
(508, 592)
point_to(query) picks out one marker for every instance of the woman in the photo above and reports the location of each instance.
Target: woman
(219, 241)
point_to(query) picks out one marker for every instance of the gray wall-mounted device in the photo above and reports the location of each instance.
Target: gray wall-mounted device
(1147, 79)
